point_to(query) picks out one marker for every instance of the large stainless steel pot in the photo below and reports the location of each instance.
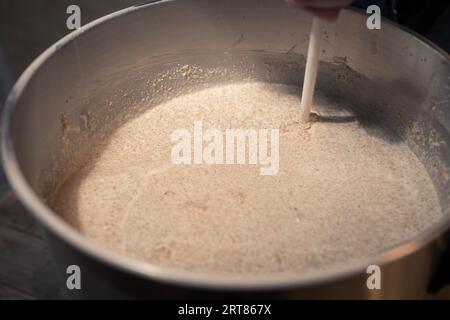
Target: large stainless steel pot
(100, 71)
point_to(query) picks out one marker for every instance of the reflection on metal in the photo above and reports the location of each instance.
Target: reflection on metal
(394, 6)
(5, 76)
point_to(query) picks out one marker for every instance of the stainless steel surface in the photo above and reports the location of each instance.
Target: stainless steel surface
(96, 75)
(27, 28)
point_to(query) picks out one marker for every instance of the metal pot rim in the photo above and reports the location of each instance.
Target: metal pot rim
(145, 270)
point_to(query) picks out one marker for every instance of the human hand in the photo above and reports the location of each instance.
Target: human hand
(324, 9)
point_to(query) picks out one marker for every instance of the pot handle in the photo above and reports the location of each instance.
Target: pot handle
(441, 277)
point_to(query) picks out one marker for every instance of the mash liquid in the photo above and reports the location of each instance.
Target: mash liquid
(342, 191)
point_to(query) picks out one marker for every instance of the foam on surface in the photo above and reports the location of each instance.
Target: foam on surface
(342, 192)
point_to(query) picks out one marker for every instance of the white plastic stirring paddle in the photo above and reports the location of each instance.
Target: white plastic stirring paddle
(312, 66)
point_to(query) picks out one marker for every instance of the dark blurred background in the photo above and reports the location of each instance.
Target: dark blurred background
(27, 28)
